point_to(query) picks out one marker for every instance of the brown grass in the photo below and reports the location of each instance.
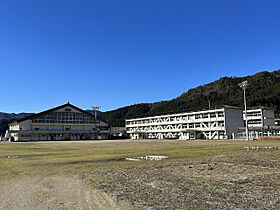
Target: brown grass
(269, 138)
(198, 174)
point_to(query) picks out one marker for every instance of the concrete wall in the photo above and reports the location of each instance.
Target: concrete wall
(233, 120)
(268, 118)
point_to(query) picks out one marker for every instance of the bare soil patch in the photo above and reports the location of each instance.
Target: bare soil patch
(53, 193)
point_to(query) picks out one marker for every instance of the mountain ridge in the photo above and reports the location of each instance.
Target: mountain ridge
(263, 90)
(4, 115)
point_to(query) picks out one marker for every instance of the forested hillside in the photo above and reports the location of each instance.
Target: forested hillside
(4, 125)
(263, 90)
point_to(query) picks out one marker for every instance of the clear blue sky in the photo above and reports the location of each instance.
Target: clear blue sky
(116, 53)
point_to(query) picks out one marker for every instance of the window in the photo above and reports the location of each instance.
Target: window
(191, 117)
(221, 124)
(36, 129)
(197, 125)
(220, 114)
(212, 115)
(205, 116)
(197, 116)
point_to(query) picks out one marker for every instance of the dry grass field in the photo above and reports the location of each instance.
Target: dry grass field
(95, 175)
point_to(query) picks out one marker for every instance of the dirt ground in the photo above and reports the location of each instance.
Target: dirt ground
(222, 182)
(53, 193)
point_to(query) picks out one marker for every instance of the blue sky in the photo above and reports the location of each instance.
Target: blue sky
(116, 53)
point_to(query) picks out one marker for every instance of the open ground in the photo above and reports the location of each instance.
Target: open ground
(95, 175)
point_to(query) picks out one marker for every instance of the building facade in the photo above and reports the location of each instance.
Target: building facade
(260, 117)
(256, 132)
(65, 122)
(261, 122)
(218, 123)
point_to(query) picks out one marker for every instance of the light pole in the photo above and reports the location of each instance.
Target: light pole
(95, 108)
(244, 85)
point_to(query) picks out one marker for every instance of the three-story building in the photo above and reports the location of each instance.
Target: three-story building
(218, 123)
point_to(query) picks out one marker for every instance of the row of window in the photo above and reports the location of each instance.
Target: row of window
(180, 118)
(254, 114)
(183, 126)
(254, 122)
(65, 117)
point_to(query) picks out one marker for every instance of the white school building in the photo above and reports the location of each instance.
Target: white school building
(218, 123)
(259, 117)
(261, 122)
(65, 122)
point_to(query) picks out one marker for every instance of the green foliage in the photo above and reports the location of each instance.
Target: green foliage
(263, 90)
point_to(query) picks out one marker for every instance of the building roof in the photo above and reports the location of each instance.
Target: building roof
(51, 110)
(258, 107)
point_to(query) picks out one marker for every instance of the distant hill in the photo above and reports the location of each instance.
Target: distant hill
(263, 90)
(93, 112)
(13, 115)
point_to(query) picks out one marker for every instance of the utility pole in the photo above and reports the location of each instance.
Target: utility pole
(244, 85)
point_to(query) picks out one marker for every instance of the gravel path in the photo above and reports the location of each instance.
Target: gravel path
(52, 193)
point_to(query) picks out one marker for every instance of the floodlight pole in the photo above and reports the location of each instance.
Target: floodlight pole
(95, 108)
(243, 85)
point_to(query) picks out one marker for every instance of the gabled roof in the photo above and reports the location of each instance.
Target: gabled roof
(51, 110)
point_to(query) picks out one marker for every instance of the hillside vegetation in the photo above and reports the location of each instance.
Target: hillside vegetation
(263, 90)
(4, 125)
